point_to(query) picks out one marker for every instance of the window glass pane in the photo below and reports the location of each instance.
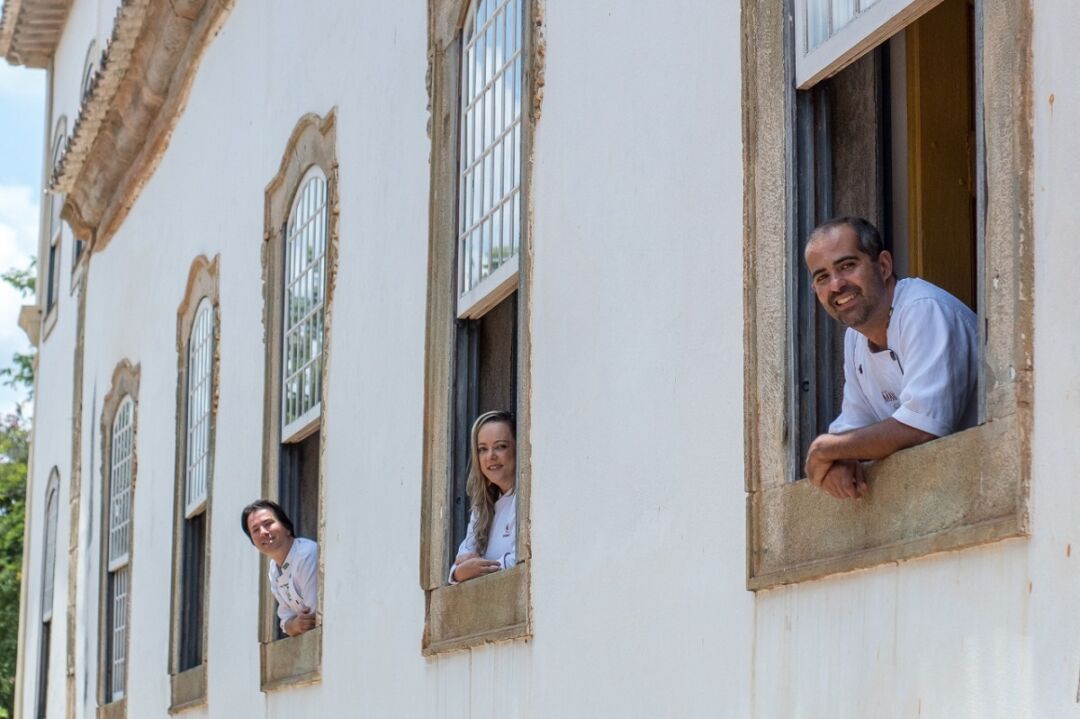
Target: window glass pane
(120, 484)
(305, 257)
(491, 139)
(842, 12)
(200, 365)
(118, 640)
(48, 580)
(818, 15)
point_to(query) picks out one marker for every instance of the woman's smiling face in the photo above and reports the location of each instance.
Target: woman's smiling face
(497, 454)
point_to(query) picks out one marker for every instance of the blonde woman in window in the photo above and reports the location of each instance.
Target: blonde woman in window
(490, 541)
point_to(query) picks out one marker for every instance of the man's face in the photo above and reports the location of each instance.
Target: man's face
(849, 285)
(268, 534)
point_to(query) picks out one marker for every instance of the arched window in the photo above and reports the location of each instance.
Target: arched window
(196, 328)
(48, 579)
(121, 464)
(305, 274)
(298, 289)
(200, 371)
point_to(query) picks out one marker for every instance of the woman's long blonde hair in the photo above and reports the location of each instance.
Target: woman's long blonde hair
(482, 493)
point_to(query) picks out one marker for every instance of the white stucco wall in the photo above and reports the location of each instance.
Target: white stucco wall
(638, 503)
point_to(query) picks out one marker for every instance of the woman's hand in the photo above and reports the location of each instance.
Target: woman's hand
(471, 565)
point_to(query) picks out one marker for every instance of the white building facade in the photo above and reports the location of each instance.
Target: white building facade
(292, 249)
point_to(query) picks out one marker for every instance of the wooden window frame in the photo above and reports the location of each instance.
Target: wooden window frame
(188, 686)
(124, 384)
(495, 607)
(962, 490)
(294, 660)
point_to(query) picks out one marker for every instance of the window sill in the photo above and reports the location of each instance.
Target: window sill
(188, 689)
(292, 661)
(486, 609)
(958, 491)
(113, 710)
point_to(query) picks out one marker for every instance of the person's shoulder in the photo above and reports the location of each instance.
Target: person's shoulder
(306, 547)
(915, 295)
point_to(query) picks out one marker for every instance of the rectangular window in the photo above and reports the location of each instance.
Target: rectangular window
(894, 134)
(47, 585)
(477, 334)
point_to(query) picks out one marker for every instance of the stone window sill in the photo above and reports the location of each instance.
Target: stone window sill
(958, 491)
(188, 689)
(487, 609)
(292, 661)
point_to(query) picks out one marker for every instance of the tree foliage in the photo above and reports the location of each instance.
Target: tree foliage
(14, 456)
(14, 453)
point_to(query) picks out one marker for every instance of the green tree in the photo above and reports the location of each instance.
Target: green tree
(14, 455)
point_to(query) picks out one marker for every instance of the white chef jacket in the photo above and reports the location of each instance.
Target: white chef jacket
(502, 541)
(295, 585)
(927, 377)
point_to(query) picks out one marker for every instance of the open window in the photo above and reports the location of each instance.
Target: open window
(118, 474)
(477, 338)
(197, 372)
(887, 115)
(300, 257)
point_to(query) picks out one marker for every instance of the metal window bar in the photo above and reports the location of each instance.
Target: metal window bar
(305, 260)
(490, 148)
(49, 563)
(200, 370)
(118, 608)
(120, 485)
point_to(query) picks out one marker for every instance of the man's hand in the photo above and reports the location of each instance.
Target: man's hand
(301, 623)
(844, 480)
(471, 564)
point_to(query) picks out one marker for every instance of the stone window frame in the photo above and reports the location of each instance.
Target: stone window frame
(496, 607)
(48, 588)
(188, 688)
(53, 238)
(294, 660)
(124, 383)
(958, 491)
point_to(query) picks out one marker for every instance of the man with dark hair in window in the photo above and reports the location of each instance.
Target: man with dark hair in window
(294, 564)
(910, 356)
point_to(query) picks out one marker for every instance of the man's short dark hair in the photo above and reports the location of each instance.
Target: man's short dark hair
(265, 504)
(870, 243)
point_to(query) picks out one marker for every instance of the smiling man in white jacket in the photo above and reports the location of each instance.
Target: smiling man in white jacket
(294, 564)
(910, 356)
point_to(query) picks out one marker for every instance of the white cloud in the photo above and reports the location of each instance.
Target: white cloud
(22, 82)
(18, 243)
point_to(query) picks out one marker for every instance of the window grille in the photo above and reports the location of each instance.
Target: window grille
(118, 642)
(489, 214)
(120, 485)
(305, 278)
(829, 34)
(48, 579)
(199, 375)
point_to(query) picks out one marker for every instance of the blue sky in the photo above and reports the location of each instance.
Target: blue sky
(22, 117)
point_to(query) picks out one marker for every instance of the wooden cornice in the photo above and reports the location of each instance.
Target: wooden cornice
(30, 29)
(130, 109)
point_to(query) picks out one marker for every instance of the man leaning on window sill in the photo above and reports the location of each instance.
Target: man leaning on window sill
(910, 356)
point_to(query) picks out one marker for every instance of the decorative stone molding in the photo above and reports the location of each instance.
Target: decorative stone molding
(130, 109)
